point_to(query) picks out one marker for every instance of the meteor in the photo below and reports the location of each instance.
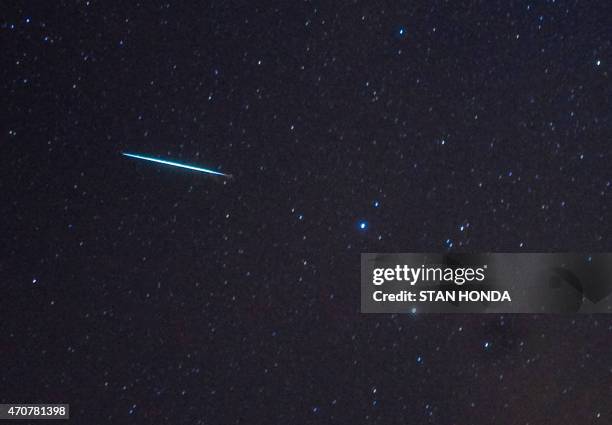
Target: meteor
(175, 164)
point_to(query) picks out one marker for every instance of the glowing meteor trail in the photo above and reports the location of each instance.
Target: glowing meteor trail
(175, 164)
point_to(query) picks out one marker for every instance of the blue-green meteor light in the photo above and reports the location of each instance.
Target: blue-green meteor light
(175, 164)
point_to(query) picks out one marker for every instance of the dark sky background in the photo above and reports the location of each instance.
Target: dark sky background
(141, 293)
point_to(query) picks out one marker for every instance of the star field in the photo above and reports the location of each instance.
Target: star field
(138, 293)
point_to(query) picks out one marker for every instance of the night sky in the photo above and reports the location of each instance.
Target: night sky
(142, 293)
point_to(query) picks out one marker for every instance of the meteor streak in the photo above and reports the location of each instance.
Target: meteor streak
(175, 164)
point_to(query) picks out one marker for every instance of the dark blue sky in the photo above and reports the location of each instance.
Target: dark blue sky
(144, 294)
